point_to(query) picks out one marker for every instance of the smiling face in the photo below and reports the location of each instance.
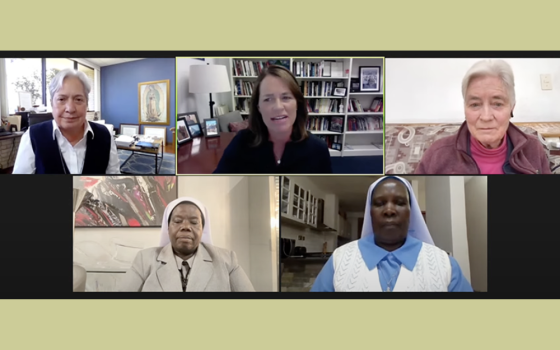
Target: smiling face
(487, 110)
(277, 105)
(185, 229)
(69, 105)
(390, 212)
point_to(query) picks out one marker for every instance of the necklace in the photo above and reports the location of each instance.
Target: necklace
(391, 280)
(278, 161)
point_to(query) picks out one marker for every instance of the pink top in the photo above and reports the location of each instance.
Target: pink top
(489, 161)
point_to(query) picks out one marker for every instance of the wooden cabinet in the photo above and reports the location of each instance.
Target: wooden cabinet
(301, 205)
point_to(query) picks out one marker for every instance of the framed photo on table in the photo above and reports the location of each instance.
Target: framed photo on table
(183, 133)
(190, 117)
(195, 130)
(159, 132)
(211, 126)
(370, 79)
(153, 102)
(129, 129)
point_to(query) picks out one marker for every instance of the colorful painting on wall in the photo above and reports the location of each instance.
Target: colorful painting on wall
(124, 201)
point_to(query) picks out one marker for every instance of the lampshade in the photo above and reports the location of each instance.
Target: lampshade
(207, 79)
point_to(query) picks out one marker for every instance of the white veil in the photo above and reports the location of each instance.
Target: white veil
(206, 237)
(417, 227)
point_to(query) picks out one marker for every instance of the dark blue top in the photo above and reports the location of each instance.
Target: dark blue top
(49, 160)
(310, 156)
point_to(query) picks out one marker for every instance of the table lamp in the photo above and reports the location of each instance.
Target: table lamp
(208, 79)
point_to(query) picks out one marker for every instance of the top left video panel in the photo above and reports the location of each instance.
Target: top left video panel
(89, 116)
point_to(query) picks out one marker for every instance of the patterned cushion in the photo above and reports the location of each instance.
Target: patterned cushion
(405, 144)
(236, 126)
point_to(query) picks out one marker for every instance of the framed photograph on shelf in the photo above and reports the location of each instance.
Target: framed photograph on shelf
(183, 133)
(195, 130)
(211, 126)
(370, 79)
(129, 129)
(339, 91)
(153, 102)
(159, 132)
(354, 84)
(190, 117)
(336, 124)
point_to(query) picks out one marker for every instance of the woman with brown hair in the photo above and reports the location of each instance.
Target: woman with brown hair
(276, 141)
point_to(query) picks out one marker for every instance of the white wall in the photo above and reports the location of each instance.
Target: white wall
(446, 217)
(429, 90)
(476, 206)
(187, 102)
(233, 227)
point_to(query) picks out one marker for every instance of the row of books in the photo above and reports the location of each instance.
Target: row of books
(332, 141)
(325, 124)
(318, 88)
(243, 88)
(364, 123)
(356, 106)
(247, 68)
(324, 105)
(320, 69)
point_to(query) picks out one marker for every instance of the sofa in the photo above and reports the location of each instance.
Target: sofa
(405, 144)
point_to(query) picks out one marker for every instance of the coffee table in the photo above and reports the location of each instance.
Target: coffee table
(146, 152)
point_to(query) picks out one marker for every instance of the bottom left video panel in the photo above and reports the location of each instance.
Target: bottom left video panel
(175, 234)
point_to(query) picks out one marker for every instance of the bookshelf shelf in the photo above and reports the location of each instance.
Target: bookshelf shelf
(354, 142)
(351, 114)
(367, 93)
(362, 150)
(335, 153)
(323, 97)
(364, 132)
(324, 132)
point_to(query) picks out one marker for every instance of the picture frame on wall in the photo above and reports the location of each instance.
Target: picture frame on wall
(102, 208)
(183, 133)
(153, 102)
(212, 128)
(370, 78)
(159, 132)
(129, 129)
(190, 117)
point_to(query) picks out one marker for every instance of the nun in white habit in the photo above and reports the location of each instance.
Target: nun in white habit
(396, 252)
(186, 260)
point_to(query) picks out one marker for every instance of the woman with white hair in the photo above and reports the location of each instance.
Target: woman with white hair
(487, 143)
(396, 252)
(68, 144)
(186, 260)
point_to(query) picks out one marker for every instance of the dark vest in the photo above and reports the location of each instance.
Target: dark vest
(49, 160)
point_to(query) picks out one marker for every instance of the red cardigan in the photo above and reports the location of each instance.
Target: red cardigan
(452, 155)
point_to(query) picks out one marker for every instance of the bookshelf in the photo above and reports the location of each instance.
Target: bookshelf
(358, 133)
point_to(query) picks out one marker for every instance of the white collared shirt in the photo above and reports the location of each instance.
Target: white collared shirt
(182, 268)
(74, 156)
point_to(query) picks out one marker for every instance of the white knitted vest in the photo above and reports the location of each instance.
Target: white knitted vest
(432, 272)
